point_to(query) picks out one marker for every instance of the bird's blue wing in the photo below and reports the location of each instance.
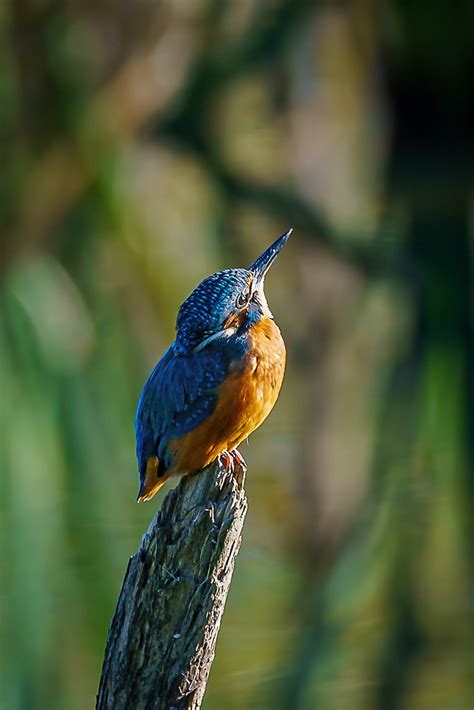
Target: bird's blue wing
(179, 394)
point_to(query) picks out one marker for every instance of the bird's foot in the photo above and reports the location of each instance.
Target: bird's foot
(230, 459)
(238, 458)
(227, 460)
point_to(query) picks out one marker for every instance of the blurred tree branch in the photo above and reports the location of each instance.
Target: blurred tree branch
(137, 93)
(59, 178)
(162, 638)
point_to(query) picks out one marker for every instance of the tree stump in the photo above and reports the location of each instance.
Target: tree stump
(162, 638)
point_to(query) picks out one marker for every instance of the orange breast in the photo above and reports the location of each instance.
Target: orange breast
(246, 398)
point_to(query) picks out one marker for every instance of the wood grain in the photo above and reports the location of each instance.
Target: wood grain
(162, 638)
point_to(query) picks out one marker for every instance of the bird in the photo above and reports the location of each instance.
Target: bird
(217, 382)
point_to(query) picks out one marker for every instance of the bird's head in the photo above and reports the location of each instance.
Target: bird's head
(226, 302)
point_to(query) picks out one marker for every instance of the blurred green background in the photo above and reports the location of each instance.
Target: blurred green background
(146, 144)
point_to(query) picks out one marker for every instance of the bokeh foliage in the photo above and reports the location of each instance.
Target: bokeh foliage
(145, 145)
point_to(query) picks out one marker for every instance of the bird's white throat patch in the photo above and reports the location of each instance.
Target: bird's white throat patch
(226, 333)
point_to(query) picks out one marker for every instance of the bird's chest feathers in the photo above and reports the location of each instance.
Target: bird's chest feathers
(245, 398)
(249, 392)
(264, 365)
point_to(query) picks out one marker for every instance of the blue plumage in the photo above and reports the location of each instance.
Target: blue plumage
(212, 337)
(181, 392)
(204, 311)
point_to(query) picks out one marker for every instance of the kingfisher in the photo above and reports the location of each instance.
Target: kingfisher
(217, 382)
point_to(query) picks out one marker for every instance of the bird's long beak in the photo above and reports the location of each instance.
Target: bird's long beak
(261, 265)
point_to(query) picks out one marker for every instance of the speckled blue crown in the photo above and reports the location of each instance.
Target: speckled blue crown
(207, 307)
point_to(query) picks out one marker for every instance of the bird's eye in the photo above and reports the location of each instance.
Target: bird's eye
(242, 299)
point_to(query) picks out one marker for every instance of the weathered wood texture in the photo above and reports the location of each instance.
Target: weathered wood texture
(162, 638)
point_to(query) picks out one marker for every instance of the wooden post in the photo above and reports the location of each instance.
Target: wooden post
(163, 634)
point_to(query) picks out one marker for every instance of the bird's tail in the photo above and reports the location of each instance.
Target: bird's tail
(151, 483)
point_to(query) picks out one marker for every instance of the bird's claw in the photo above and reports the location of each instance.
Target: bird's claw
(231, 458)
(227, 460)
(238, 458)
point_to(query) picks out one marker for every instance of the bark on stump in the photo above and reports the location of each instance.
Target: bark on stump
(162, 638)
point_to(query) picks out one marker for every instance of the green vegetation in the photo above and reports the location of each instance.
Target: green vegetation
(145, 148)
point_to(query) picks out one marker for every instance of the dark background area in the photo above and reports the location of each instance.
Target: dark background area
(145, 145)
